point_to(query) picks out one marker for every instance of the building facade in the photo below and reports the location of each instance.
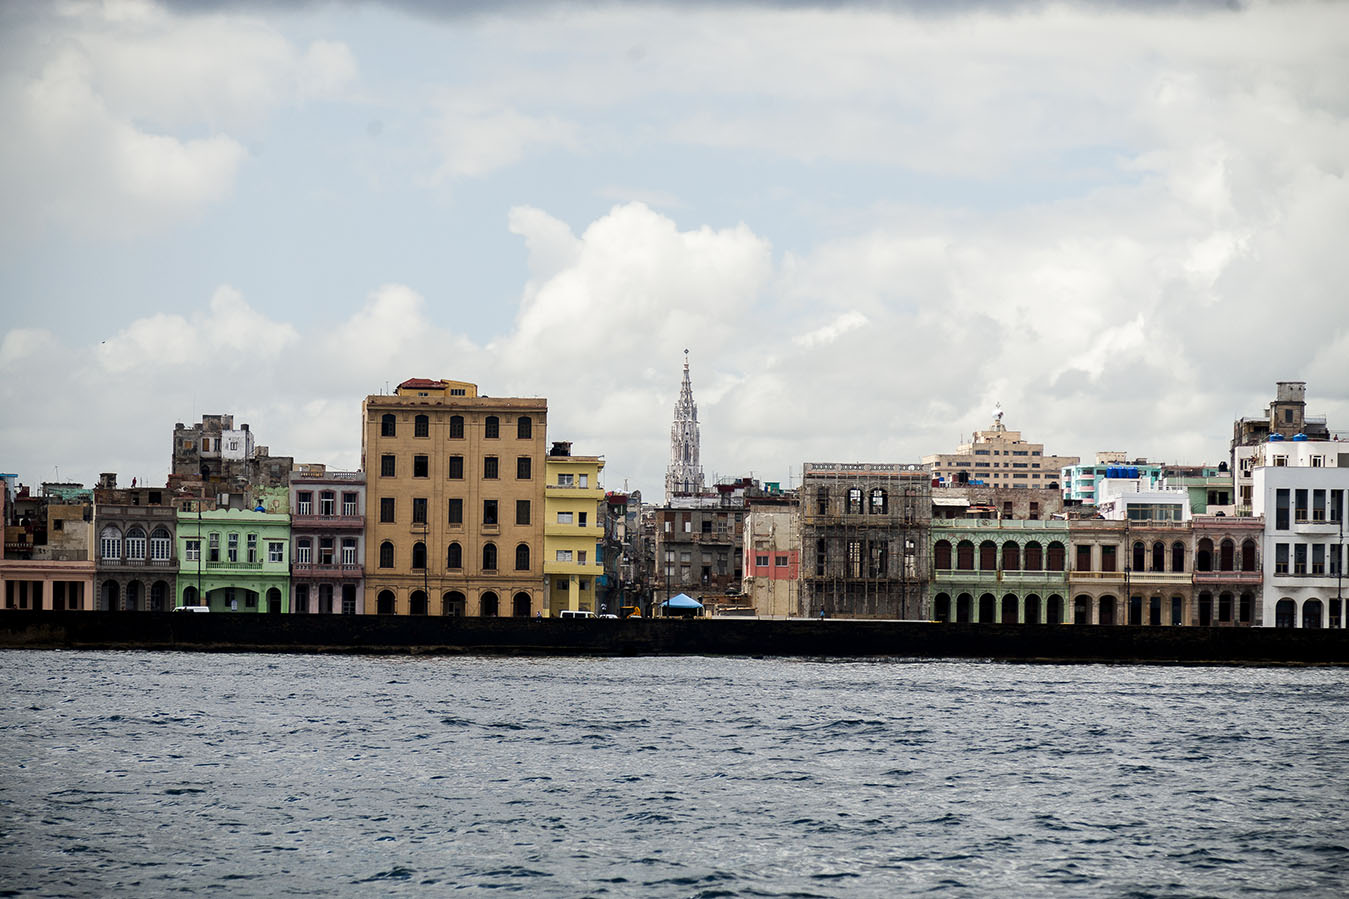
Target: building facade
(1008, 571)
(684, 476)
(1285, 419)
(1303, 509)
(772, 557)
(136, 567)
(454, 501)
(573, 531)
(234, 560)
(864, 540)
(46, 562)
(327, 532)
(998, 457)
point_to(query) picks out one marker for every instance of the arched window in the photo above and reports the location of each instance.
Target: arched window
(988, 609)
(1311, 614)
(454, 557)
(1248, 555)
(1227, 554)
(1035, 556)
(854, 501)
(1139, 556)
(941, 607)
(1010, 612)
(491, 427)
(879, 502)
(135, 544)
(941, 557)
(452, 604)
(1054, 609)
(522, 557)
(988, 561)
(421, 426)
(385, 604)
(520, 605)
(417, 603)
(159, 596)
(1285, 613)
(161, 545)
(1055, 556)
(388, 425)
(189, 596)
(419, 556)
(965, 556)
(1011, 556)
(110, 543)
(456, 427)
(524, 428)
(489, 557)
(1159, 556)
(964, 602)
(1032, 614)
(1203, 557)
(1177, 556)
(386, 554)
(488, 605)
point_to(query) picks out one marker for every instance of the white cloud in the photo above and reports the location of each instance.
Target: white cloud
(474, 139)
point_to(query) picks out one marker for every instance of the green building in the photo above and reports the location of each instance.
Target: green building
(234, 561)
(999, 570)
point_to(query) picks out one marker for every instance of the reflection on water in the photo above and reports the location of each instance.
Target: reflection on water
(153, 773)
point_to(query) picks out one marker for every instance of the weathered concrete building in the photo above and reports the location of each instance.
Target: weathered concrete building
(998, 457)
(772, 556)
(627, 557)
(327, 533)
(699, 542)
(215, 459)
(46, 561)
(455, 497)
(137, 561)
(1285, 418)
(864, 539)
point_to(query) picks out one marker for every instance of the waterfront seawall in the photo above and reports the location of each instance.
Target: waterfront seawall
(800, 637)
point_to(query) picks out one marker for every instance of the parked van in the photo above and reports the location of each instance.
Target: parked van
(575, 613)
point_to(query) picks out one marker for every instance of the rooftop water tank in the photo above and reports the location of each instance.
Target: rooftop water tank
(1299, 436)
(1275, 437)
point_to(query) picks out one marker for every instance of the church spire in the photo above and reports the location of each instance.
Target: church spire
(684, 476)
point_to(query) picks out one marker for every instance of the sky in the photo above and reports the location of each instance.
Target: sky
(867, 223)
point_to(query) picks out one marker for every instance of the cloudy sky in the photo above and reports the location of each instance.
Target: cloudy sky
(868, 222)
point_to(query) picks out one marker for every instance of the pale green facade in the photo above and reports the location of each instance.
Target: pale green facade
(234, 561)
(991, 570)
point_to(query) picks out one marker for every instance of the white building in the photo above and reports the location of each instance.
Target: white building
(1304, 540)
(1138, 500)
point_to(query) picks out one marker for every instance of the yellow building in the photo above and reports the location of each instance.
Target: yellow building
(573, 530)
(454, 501)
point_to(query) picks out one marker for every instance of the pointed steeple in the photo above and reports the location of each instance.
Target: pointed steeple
(684, 476)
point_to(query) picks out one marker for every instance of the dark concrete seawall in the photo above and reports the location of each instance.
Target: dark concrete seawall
(802, 637)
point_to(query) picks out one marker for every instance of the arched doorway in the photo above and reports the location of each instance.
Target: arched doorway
(1135, 610)
(189, 596)
(159, 596)
(1054, 610)
(417, 603)
(1311, 614)
(112, 597)
(488, 605)
(274, 601)
(988, 607)
(1032, 614)
(520, 605)
(1106, 614)
(384, 603)
(1285, 613)
(1082, 610)
(941, 608)
(452, 604)
(1205, 609)
(132, 601)
(964, 602)
(1010, 613)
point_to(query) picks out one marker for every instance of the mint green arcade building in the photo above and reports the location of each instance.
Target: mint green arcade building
(234, 561)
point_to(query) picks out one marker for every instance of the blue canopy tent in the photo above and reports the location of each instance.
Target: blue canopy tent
(681, 606)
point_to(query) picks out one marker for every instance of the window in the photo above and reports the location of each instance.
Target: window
(419, 510)
(421, 466)
(232, 547)
(456, 510)
(110, 544)
(522, 511)
(387, 467)
(564, 555)
(213, 547)
(761, 560)
(1300, 558)
(491, 427)
(489, 512)
(275, 553)
(303, 547)
(388, 426)
(854, 501)
(522, 557)
(419, 555)
(1281, 506)
(1108, 558)
(489, 557)
(489, 467)
(456, 468)
(456, 427)
(348, 550)
(580, 557)
(304, 503)
(192, 550)
(1300, 505)
(565, 517)
(349, 504)
(386, 509)
(421, 426)
(1083, 558)
(252, 544)
(581, 519)
(1318, 558)
(135, 544)
(1281, 558)
(386, 554)
(160, 545)
(780, 561)
(565, 480)
(524, 468)
(454, 556)
(524, 428)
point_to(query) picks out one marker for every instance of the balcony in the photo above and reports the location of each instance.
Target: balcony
(573, 491)
(327, 569)
(1145, 578)
(1315, 526)
(592, 532)
(326, 522)
(965, 575)
(1228, 577)
(233, 566)
(1097, 577)
(138, 563)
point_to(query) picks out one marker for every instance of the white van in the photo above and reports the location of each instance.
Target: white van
(575, 613)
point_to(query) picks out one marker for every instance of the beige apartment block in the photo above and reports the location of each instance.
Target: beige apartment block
(454, 501)
(999, 458)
